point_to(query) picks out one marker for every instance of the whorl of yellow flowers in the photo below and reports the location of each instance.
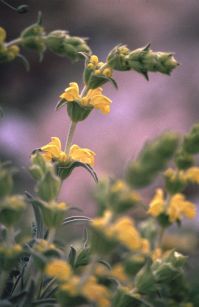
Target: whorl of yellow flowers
(176, 207)
(93, 99)
(53, 152)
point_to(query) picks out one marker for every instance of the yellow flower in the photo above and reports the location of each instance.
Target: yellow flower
(90, 289)
(93, 99)
(83, 155)
(192, 174)
(123, 229)
(72, 286)
(52, 151)
(179, 207)
(96, 292)
(156, 206)
(102, 222)
(71, 93)
(58, 269)
(118, 272)
(42, 246)
(145, 248)
(94, 59)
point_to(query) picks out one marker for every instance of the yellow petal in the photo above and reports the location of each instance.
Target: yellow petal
(101, 102)
(83, 155)
(96, 91)
(56, 141)
(156, 206)
(71, 93)
(52, 149)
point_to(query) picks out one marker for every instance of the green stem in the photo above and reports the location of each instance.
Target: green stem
(10, 237)
(14, 42)
(73, 125)
(70, 136)
(51, 235)
(160, 237)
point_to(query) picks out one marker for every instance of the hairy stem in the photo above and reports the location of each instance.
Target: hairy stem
(14, 42)
(70, 136)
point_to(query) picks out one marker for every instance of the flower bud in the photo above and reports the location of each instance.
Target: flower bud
(175, 181)
(152, 159)
(191, 140)
(164, 272)
(33, 38)
(36, 172)
(53, 213)
(183, 160)
(144, 60)
(48, 187)
(9, 256)
(8, 54)
(62, 44)
(118, 58)
(144, 280)
(176, 259)
(11, 208)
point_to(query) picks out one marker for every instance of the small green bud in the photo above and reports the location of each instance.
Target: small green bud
(62, 44)
(144, 280)
(36, 172)
(8, 54)
(33, 38)
(137, 176)
(176, 259)
(11, 208)
(191, 140)
(164, 272)
(144, 60)
(175, 181)
(118, 58)
(48, 187)
(53, 213)
(167, 145)
(183, 160)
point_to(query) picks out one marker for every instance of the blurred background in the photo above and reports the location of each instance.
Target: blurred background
(140, 110)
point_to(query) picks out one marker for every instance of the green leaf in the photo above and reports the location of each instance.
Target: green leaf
(72, 256)
(83, 258)
(38, 215)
